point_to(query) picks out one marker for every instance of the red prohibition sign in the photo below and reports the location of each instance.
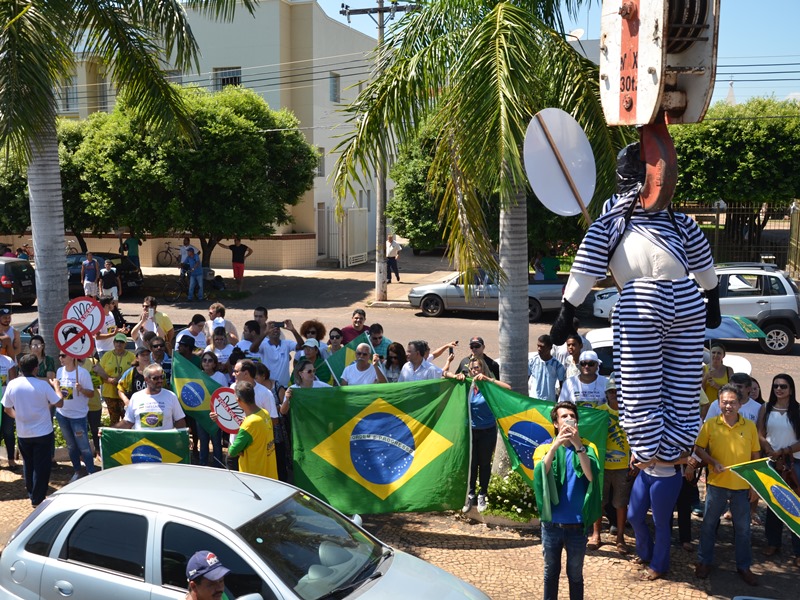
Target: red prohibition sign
(85, 310)
(68, 332)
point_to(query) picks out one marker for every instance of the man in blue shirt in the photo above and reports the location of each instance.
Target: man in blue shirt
(566, 484)
(544, 371)
(194, 269)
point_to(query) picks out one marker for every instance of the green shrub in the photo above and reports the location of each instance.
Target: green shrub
(510, 497)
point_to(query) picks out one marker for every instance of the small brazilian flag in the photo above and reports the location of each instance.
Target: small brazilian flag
(194, 389)
(525, 424)
(396, 447)
(340, 359)
(129, 446)
(773, 490)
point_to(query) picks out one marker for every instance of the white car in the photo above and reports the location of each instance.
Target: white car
(604, 303)
(127, 533)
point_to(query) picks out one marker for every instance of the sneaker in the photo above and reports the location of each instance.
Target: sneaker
(75, 477)
(481, 502)
(468, 504)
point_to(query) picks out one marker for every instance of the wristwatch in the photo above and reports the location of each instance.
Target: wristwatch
(581, 451)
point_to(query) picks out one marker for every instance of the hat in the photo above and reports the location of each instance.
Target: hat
(120, 337)
(611, 384)
(186, 340)
(141, 350)
(5, 310)
(311, 342)
(590, 355)
(477, 340)
(205, 564)
(190, 249)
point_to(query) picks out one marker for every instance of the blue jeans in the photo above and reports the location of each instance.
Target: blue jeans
(216, 446)
(773, 526)
(36, 463)
(76, 435)
(196, 285)
(660, 495)
(554, 540)
(716, 502)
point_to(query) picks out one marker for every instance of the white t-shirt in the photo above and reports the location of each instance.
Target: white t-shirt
(6, 364)
(427, 370)
(154, 412)
(584, 394)
(109, 325)
(76, 406)
(222, 354)
(244, 346)
(31, 399)
(277, 359)
(220, 378)
(749, 410)
(265, 399)
(199, 339)
(355, 377)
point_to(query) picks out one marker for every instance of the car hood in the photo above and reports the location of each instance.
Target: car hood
(429, 582)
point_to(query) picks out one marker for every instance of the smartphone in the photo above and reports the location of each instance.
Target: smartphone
(151, 312)
(570, 423)
(450, 351)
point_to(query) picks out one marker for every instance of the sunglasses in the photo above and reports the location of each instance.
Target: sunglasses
(588, 363)
(62, 356)
(310, 371)
(780, 386)
(156, 377)
(475, 346)
(336, 337)
(393, 356)
(37, 346)
(211, 360)
(362, 353)
(156, 346)
(308, 333)
(377, 337)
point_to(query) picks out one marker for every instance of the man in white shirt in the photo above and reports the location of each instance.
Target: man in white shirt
(153, 407)
(104, 339)
(392, 254)
(749, 410)
(275, 352)
(418, 368)
(216, 318)
(588, 388)
(361, 372)
(28, 400)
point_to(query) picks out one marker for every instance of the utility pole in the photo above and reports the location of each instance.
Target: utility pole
(380, 178)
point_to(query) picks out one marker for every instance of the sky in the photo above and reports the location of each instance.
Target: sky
(754, 44)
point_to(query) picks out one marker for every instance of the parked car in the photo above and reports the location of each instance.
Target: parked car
(127, 533)
(484, 296)
(603, 343)
(17, 281)
(761, 292)
(130, 275)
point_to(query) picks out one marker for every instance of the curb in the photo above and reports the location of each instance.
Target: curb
(389, 304)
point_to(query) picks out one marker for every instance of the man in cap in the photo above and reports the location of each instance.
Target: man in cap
(206, 576)
(588, 388)
(476, 348)
(110, 369)
(194, 269)
(10, 343)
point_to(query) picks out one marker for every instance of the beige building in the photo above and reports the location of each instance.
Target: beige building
(296, 57)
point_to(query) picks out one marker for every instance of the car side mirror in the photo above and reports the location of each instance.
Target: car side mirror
(357, 520)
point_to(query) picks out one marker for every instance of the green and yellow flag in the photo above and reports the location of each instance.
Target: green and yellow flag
(129, 446)
(194, 389)
(780, 498)
(337, 361)
(398, 447)
(525, 424)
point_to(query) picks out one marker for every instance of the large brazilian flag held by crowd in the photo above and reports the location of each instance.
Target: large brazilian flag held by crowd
(397, 447)
(525, 424)
(773, 490)
(128, 446)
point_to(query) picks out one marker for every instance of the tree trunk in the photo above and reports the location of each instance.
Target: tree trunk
(513, 323)
(47, 226)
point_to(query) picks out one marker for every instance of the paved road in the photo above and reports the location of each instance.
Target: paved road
(504, 563)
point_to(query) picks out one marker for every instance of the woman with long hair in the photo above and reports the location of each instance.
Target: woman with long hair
(47, 365)
(715, 375)
(303, 377)
(779, 432)
(334, 340)
(395, 359)
(210, 365)
(755, 391)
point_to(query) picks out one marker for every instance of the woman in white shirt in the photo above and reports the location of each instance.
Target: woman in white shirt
(76, 390)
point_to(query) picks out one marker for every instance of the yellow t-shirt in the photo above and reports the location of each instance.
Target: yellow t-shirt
(95, 403)
(729, 446)
(255, 446)
(115, 365)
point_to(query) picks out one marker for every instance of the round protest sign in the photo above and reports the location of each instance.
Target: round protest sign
(73, 339)
(229, 414)
(87, 311)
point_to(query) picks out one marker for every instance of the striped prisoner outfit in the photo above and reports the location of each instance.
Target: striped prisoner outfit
(659, 324)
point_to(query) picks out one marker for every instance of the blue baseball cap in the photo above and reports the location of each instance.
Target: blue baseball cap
(205, 564)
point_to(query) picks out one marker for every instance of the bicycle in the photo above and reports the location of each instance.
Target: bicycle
(70, 248)
(177, 288)
(168, 256)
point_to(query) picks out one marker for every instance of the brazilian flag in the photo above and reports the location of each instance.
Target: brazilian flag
(381, 448)
(525, 424)
(331, 372)
(194, 389)
(773, 490)
(128, 446)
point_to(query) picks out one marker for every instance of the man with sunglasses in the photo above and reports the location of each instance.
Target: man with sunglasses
(476, 348)
(153, 407)
(158, 355)
(361, 372)
(588, 388)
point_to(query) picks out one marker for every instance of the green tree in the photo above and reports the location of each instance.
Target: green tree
(476, 71)
(245, 156)
(37, 42)
(744, 154)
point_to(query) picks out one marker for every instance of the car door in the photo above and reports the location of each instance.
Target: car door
(454, 296)
(743, 294)
(100, 554)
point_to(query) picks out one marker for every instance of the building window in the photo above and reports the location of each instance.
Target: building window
(174, 76)
(102, 93)
(68, 94)
(369, 200)
(227, 76)
(336, 87)
(321, 161)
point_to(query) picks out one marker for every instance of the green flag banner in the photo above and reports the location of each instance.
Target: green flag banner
(525, 424)
(780, 498)
(194, 389)
(337, 361)
(398, 447)
(129, 446)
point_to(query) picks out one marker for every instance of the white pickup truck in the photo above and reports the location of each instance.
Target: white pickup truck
(482, 295)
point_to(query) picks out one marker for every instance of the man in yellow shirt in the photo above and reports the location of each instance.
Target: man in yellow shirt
(112, 365)
(725, 440)
(255, 442)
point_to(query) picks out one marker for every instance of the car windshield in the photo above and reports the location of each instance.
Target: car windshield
(313, 549)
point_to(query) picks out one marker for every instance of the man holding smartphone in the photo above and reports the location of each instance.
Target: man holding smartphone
(567, 486)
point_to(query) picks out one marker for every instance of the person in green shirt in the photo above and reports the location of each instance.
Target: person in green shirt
(254, 443)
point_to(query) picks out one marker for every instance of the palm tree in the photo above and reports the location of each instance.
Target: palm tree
(476, 71)
(136, 40)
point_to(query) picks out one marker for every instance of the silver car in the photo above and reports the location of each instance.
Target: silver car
(127, 533)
